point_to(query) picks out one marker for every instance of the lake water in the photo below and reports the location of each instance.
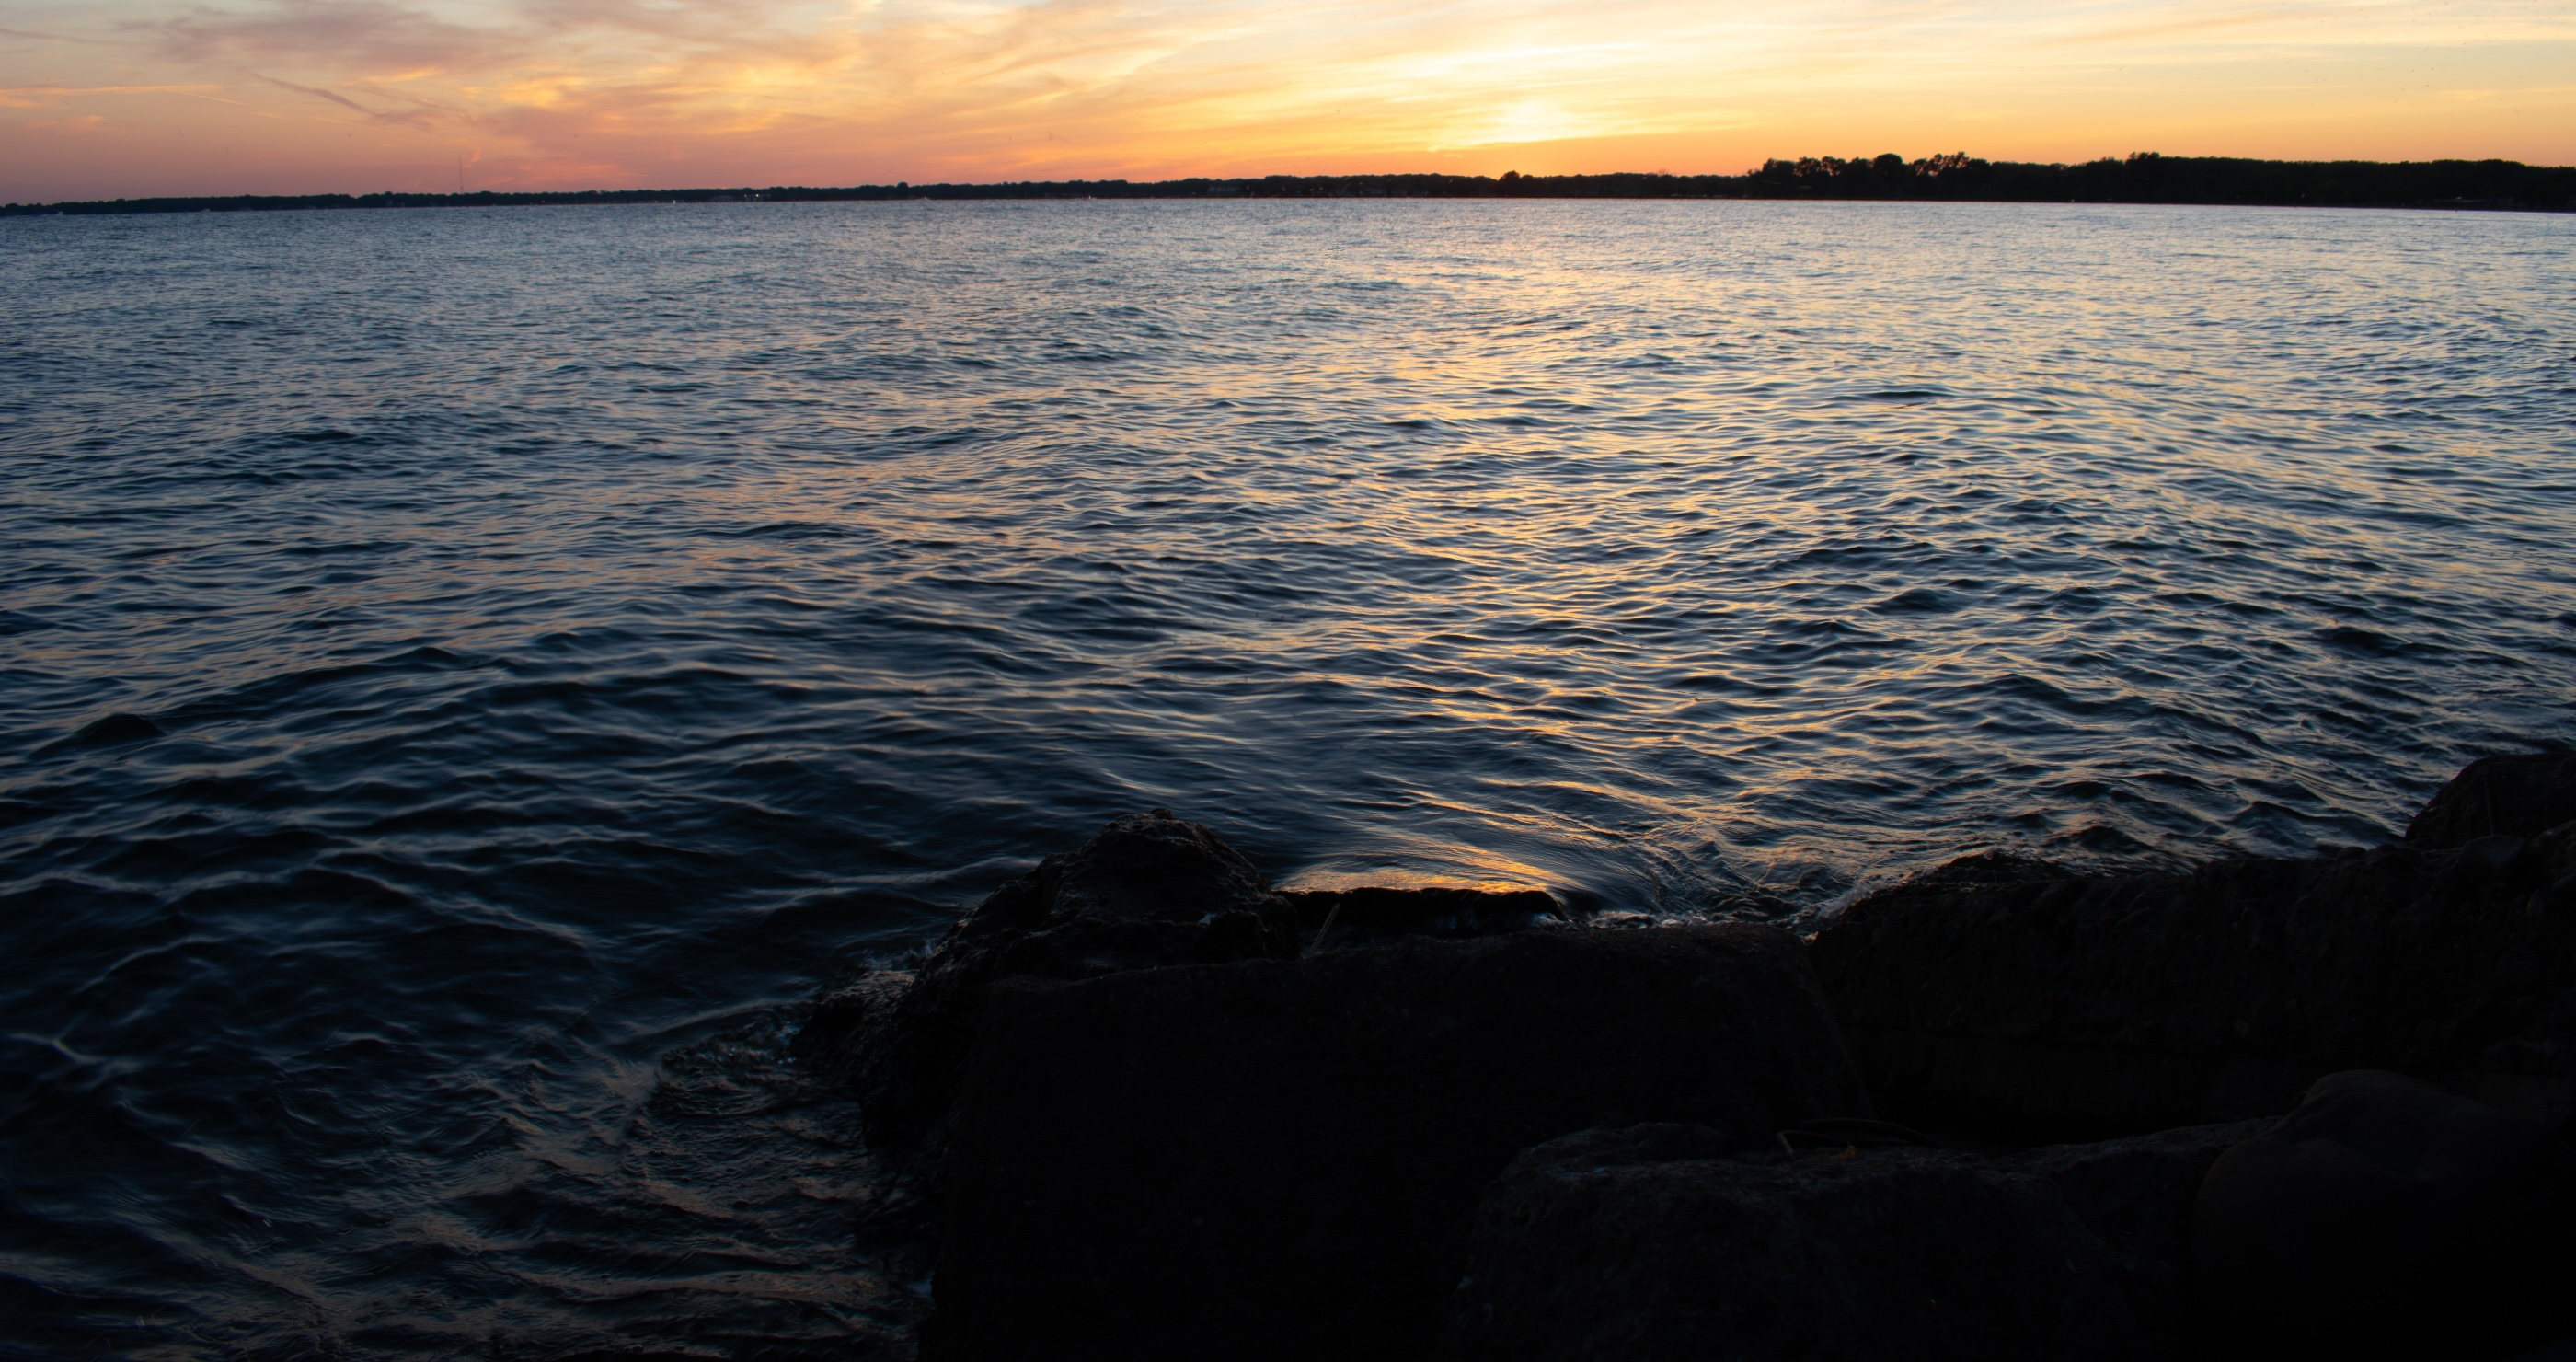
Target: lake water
(575, 633)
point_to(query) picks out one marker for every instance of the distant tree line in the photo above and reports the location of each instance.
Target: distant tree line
(2144, 177)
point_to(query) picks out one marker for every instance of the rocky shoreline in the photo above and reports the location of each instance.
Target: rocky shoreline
(2287, 1107)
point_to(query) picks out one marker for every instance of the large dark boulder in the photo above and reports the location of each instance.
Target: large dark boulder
(2025, 998)
(1648, 1244)
(2516, 796)
(2386, 1218)
(2137, 1194)
(1148, 890)
(1278, 1159)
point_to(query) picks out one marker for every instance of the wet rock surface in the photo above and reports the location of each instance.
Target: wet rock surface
(2510, 796)
(1280, 1158)
(1649, 1243)
(2121, 1005)
(1343, 919)
(2387, 1218)
(1148, 890)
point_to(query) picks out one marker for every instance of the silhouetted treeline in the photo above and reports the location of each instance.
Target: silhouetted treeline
(2144, 177)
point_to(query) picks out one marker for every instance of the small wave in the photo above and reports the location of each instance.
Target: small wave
(1919, 601)
(264, 697)
(2369, 642)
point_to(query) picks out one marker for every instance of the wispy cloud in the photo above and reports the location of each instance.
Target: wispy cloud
(368, 36)
(34, 96)
(54, 38)
(416, 117)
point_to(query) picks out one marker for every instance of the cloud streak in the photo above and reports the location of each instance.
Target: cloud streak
(370, 36)
(412, 118)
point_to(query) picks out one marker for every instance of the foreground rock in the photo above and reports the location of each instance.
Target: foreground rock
(1278, 1159)
(2516, 796)
(1147, 890)
(1645, 1244)
(2388, 1219)
(1173, 1113)
(2008, 993)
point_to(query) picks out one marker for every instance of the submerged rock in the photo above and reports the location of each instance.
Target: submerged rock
(1279, 1159)
(2516, 796)
(1647, 1243)
(111, 730)
(2386, 1218)
(2119, 1005)
(1148, 890)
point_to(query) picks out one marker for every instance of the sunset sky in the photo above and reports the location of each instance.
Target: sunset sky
(132, 97)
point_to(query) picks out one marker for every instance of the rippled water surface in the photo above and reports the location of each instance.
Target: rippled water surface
(572, 634)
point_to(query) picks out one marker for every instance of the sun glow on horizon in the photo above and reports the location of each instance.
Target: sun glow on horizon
(136, 97)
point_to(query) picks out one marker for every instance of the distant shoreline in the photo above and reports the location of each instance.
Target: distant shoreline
(2142, 178)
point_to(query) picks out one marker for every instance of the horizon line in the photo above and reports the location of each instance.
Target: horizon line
(2139, 177)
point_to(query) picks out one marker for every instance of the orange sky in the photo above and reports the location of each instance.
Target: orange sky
(130, 97)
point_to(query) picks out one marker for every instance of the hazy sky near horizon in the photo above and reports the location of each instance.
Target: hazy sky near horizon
(131, 97)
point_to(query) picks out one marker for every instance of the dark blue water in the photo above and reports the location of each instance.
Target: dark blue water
(573, 634)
